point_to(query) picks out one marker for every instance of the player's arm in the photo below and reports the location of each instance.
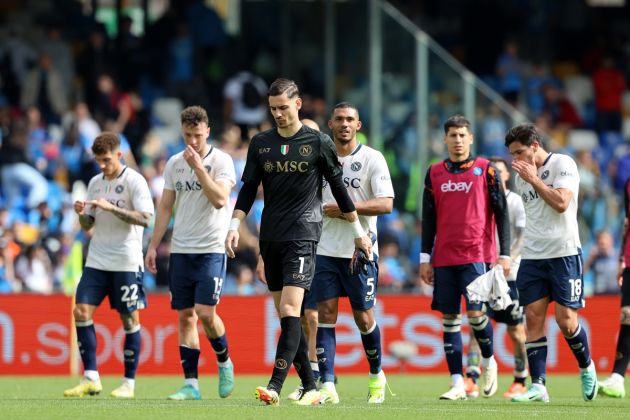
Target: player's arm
(558, 198)
(162, 219)
(429, 228)
(246, 196)
(133, 217)
(85, 220)
(498, 202)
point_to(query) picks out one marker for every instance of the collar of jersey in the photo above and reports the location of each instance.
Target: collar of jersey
(119, 175)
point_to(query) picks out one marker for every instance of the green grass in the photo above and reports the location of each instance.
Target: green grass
(416, 397)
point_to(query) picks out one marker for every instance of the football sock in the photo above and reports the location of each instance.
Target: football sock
(482, 329)
(131, 352)
(303, 365)
(452, 337)
(578, 343)
(86, 338)
(285, 353)
(372, 345)
(190, 361)
(473, 361)
(520, 371)
(623, 351)
(315, 369)
(220, 347)
(326, 349)
(537, 358)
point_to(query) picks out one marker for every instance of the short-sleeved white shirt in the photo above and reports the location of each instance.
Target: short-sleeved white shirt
(366, 176)
(199, 228)
(549, 234)
(117, 245)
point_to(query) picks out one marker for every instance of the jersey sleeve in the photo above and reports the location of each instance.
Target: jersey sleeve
(169, 183)
(141, 195)
(225, 170)
(380, 178)
(251, 172)
(566, 175)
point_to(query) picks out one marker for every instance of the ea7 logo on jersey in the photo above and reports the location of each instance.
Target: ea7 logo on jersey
(451, 186)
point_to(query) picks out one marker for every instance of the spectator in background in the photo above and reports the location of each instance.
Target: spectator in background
(392, 274)
(60, 52)
(243, 102)
(17, 172)
(16, 55)
(7, 278)
(557, 105)
(509, 68)
(44, 88)
(603, 263)
(95, 59)
(609, 84)
(34, 270)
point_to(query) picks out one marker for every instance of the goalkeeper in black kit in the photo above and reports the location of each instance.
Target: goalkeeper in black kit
(290, 161)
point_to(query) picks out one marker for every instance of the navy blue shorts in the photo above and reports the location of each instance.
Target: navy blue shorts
(560, 279)
(513, 314)
(288, 263)
(196, 278)
(449, 285)
(333, 280)
(123, 288)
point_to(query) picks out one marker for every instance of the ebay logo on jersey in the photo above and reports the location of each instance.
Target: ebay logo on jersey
(451, 186)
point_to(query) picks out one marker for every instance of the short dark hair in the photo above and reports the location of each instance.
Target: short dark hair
(105, 142)
(280, 86)
(193, 116)
(344, 105)
(457, 121)
(526, 133)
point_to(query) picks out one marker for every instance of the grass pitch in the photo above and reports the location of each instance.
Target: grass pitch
(40, 397)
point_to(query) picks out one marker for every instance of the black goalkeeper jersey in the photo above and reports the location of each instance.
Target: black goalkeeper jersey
(291, 170)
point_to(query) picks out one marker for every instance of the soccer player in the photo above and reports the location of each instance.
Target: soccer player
(463, 204)
(369, 185)
(118, 207)
(197, 184)
(513, 315)
(614, 386)
(290, 161)
(551, 264)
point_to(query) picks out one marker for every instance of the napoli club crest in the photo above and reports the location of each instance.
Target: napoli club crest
(477, 171)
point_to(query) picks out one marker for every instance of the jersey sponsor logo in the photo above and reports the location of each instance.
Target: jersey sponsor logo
(305, 150)
(284, 149)
(356, 166)
(451, 186)
(119, 189)
(477, 171)
(291, 166)
(529, 196)
(262, 150)
(545, 174)
(188, 186)
(352, 182)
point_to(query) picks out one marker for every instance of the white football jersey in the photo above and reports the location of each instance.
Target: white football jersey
(366, 176)
(199, 228)
(517, 220)
(117, 245)
(549, 234)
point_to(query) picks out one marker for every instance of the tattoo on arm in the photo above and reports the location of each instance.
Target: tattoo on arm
(86, 221)
(131, 216)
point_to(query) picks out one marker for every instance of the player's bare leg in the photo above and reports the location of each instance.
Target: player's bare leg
(215, 331)
(189, 354)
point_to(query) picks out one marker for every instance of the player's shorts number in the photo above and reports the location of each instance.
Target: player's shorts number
(517, 310)
(301, 264)
(576, 289)
(370, 293)
(129, 293)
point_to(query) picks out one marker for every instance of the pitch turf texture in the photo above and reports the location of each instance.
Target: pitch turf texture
(416, 398)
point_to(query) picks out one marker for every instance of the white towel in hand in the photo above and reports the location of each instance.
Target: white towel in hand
(491, 287)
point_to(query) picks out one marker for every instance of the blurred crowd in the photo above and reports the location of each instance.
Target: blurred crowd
(63, 83)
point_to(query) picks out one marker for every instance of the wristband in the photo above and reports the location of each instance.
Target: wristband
(234, 223)
(425, 258)
(505, 257)
(357, 229)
